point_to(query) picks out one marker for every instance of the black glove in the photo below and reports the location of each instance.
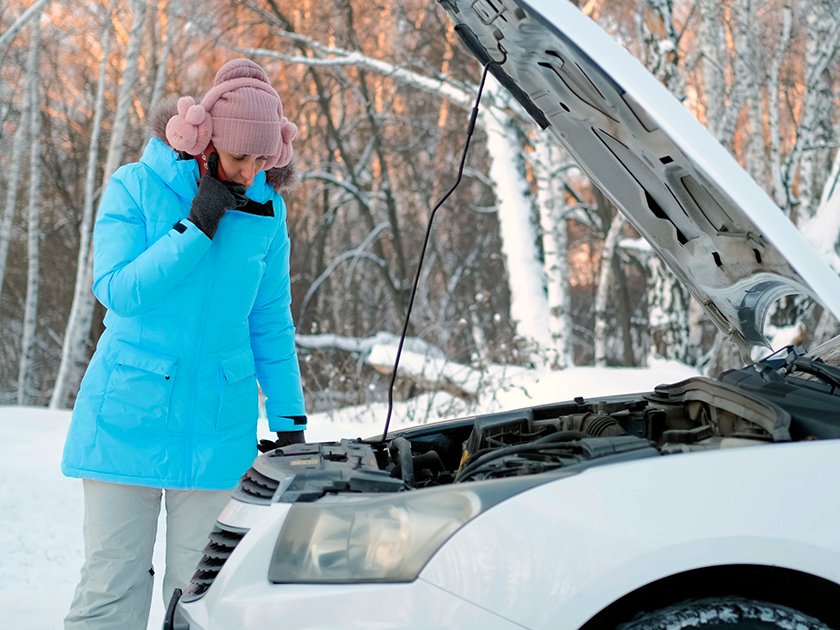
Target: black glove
(284, 438)
(214, 198)
(238, 192)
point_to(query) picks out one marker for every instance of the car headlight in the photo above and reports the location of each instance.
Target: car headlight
(385, 539)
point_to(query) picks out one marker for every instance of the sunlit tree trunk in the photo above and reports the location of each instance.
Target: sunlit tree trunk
(74, 350)
(33, 11)
(127, 84)
(777, 184)
(30, 309)
(712, 50)
(173, 10)
(748, 83)
(82, 313)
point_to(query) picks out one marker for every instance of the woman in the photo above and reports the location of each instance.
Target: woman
(191, 260)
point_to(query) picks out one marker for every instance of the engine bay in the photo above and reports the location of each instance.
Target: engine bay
(693, 415)
(745, 407)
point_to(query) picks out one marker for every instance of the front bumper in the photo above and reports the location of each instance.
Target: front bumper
(242, 597)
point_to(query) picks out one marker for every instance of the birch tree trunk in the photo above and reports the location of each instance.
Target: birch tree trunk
(550, 159)
(712, 48)
(78, 328)
(13, 179)
(602, 294)
(33, 11)
(129, 78)
(811, 153)
(173, 9)
(748, 83)
(74, 350)
(777, 183)
(670, 337)
(528, 301)
(529, 305)
(30, 309)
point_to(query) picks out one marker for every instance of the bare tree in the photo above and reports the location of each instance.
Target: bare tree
(30, 312)
(172, 17)
(75, 346)
(550, 162)
(126, 90)
(811, 151)
(529, 303)
(602, 294)
(74, 349)
(33, 12)
(526, 283)
(13, 180)
(772, 115)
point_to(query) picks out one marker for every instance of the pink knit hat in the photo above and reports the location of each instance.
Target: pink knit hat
(241, 114)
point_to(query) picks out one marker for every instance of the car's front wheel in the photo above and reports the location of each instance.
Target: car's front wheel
(727, 613)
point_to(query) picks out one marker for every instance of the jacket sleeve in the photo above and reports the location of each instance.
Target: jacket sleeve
(131, 276)
(273, 335)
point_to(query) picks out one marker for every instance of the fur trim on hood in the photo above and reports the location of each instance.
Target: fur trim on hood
(283, 179)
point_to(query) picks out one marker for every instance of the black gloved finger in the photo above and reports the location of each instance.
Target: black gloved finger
(286, 438)
(238, 192)
(264, 446)
(208, 206)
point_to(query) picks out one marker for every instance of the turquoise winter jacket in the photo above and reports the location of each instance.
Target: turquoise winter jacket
(169, 398)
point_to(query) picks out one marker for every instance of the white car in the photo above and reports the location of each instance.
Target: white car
(706, 503)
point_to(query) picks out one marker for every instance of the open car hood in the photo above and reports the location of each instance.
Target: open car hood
(716, 229)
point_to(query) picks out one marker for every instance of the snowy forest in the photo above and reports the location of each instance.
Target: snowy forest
(540, 272)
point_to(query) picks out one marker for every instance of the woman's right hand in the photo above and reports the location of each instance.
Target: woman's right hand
(214, 198)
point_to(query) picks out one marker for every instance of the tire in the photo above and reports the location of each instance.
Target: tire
(725, 613)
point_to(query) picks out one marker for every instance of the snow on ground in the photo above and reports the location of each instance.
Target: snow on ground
(41, 511)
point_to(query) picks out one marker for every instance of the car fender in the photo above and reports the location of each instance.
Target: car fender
(556, 555)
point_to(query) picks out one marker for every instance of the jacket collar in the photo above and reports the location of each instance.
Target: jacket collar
(182, 175)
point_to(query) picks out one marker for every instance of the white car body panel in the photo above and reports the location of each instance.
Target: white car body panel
(242, 596)
(556, 555)
(573, 547)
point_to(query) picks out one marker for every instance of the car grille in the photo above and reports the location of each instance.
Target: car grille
(255, 487)
(223, 540)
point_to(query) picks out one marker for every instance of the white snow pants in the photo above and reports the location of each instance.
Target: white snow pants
(115, 590)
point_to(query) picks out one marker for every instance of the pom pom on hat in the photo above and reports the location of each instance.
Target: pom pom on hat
(288, 132)
(191, 128)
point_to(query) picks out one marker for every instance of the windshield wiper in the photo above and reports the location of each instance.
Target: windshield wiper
(795, 360)
(817, 367)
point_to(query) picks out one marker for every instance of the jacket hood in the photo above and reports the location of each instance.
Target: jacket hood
(282, 179)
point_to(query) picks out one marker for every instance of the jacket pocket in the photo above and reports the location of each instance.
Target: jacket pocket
(139, 389)
(238, 402)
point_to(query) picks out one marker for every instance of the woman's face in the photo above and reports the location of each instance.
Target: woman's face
(242, 169)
